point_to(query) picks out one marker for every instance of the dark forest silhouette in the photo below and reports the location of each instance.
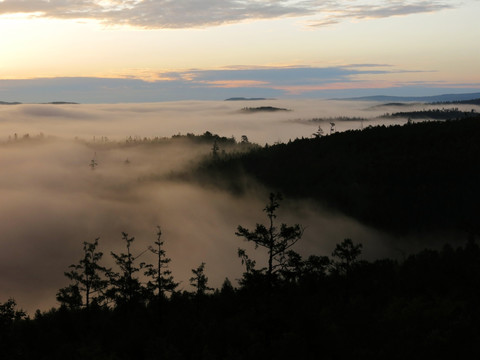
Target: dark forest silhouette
(330, 307)
(433, 114)
(334, 307)
(419, 177)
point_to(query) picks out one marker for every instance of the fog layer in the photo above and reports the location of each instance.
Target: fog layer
(52, 200)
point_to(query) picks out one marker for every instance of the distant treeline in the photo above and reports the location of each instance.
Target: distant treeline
(417, 177)
(9, 103)
(262, 109)
(434, 114)
(466, 102)
(338, 118)
(206, 138)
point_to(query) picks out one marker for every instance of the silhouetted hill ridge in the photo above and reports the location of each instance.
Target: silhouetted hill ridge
(434, 98)
(417, 177)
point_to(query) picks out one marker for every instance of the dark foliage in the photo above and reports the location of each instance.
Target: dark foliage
(161, 278)
(425, 306)
(466, 102)
(126, 289)
(88, 278)
(417, 177)
(199, 281)
(338, 118)
(277, 242)
(262, 109)
(434, 114)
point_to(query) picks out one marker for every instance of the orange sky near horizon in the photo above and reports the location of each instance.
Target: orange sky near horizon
(435, 44)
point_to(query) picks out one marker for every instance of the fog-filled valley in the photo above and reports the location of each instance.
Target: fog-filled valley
(72, 173)
(226, 118)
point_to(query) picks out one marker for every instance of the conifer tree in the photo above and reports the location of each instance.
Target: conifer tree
(276, 240)
(88, 279)
(200, 281)
(162, 279)
(126, 288)
(9, 313)
(347, 253)
(215, 149)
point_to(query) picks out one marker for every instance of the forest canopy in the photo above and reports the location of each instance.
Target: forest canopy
(416, 177)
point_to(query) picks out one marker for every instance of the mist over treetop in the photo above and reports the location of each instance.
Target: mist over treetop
(416, 177)
(91, 171)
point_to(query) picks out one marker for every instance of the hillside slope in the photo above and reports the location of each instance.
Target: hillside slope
(417, 177)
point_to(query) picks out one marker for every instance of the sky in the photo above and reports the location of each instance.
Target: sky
(110, 51)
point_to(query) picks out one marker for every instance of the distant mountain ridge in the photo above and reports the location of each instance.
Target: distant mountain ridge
(47, 103)
(246, 99)
(9, 103)
(465, 102)
(435, 98)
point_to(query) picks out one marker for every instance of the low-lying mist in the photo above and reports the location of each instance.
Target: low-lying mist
(169, 118)
(52, 200)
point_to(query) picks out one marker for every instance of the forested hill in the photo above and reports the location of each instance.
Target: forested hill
(417, 177)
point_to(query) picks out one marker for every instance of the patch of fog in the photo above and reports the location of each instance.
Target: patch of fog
(221, 117)
(166, 119)
(52, 200)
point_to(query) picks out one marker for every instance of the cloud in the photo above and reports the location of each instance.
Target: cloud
(358, 10)
(157, 14)
(298, 90)
(237, 83)
(197, 84)
(189, 84)
(287, 75)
